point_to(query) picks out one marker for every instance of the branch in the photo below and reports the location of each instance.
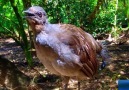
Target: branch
(6, 29)
(95, 11)
(22, 32)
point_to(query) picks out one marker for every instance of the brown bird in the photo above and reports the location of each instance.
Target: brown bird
(64, 49)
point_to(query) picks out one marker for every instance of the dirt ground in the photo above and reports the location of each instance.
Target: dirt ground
(106, 79)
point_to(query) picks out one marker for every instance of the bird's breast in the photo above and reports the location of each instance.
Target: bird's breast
(46, 55)
(55, 64)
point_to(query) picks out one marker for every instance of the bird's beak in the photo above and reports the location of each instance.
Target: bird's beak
(28, 13)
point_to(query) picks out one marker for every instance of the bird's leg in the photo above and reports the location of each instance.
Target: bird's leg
(79, 85)
(105, 58)
(65, 82)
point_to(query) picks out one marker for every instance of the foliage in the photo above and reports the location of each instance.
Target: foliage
(69, 11)
(77, 12)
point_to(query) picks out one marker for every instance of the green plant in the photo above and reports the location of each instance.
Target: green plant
(13, 25)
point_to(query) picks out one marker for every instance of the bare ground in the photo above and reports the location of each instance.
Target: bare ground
(106, 79)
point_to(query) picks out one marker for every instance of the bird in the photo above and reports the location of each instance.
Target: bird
(64, 49)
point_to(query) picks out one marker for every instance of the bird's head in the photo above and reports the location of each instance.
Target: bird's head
(36, 15)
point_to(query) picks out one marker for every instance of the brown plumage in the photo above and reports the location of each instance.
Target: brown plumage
(63, 49)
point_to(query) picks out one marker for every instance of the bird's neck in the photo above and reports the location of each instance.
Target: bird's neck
(37, 28)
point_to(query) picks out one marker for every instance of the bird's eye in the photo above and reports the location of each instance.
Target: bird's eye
(39, 14)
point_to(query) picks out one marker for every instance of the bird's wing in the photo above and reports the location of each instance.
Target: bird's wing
(83, 45)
